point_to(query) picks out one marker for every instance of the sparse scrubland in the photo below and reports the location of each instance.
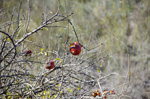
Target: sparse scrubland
(36, 37)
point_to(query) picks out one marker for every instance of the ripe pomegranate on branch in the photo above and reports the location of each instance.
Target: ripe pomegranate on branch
(75, 48)
(50, 65)
(28, 53)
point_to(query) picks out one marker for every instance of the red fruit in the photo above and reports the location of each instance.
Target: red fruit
(112, 92)
(105, 92)
(99, 94)
(28, 53)
(75, 48)
(94, 94)
(50, 65)
(76, 43)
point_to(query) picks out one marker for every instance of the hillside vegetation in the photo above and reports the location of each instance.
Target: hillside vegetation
(115, 56)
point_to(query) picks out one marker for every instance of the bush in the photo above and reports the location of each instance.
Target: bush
(110, 64)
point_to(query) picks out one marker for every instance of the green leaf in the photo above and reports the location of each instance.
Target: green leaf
(43, 97)
(8, 93)
(17, 82)
(9, 97)
(35, 53)
(19, 25)
(44, 92)
(100, 65)
(41, 50)
(58, 85)
(70, 90)
(58, 58)
(60, 92)
(49, 96)
(79, 88)
(32, 75)
(129, 74)
(98, 70)
(28, 86)
(8, 39)
(44, 28)
(54, 96)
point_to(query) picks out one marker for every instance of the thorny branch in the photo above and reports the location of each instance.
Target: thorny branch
(70, 73)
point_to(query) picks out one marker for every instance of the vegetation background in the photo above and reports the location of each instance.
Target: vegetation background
(116, 31)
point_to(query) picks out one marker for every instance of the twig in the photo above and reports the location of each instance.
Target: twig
(14, 47)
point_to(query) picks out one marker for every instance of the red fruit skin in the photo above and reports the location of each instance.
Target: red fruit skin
(94, 94)
(50, 65)
(75, 50)
(112, 92)
(76, 43)
(28, 53)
